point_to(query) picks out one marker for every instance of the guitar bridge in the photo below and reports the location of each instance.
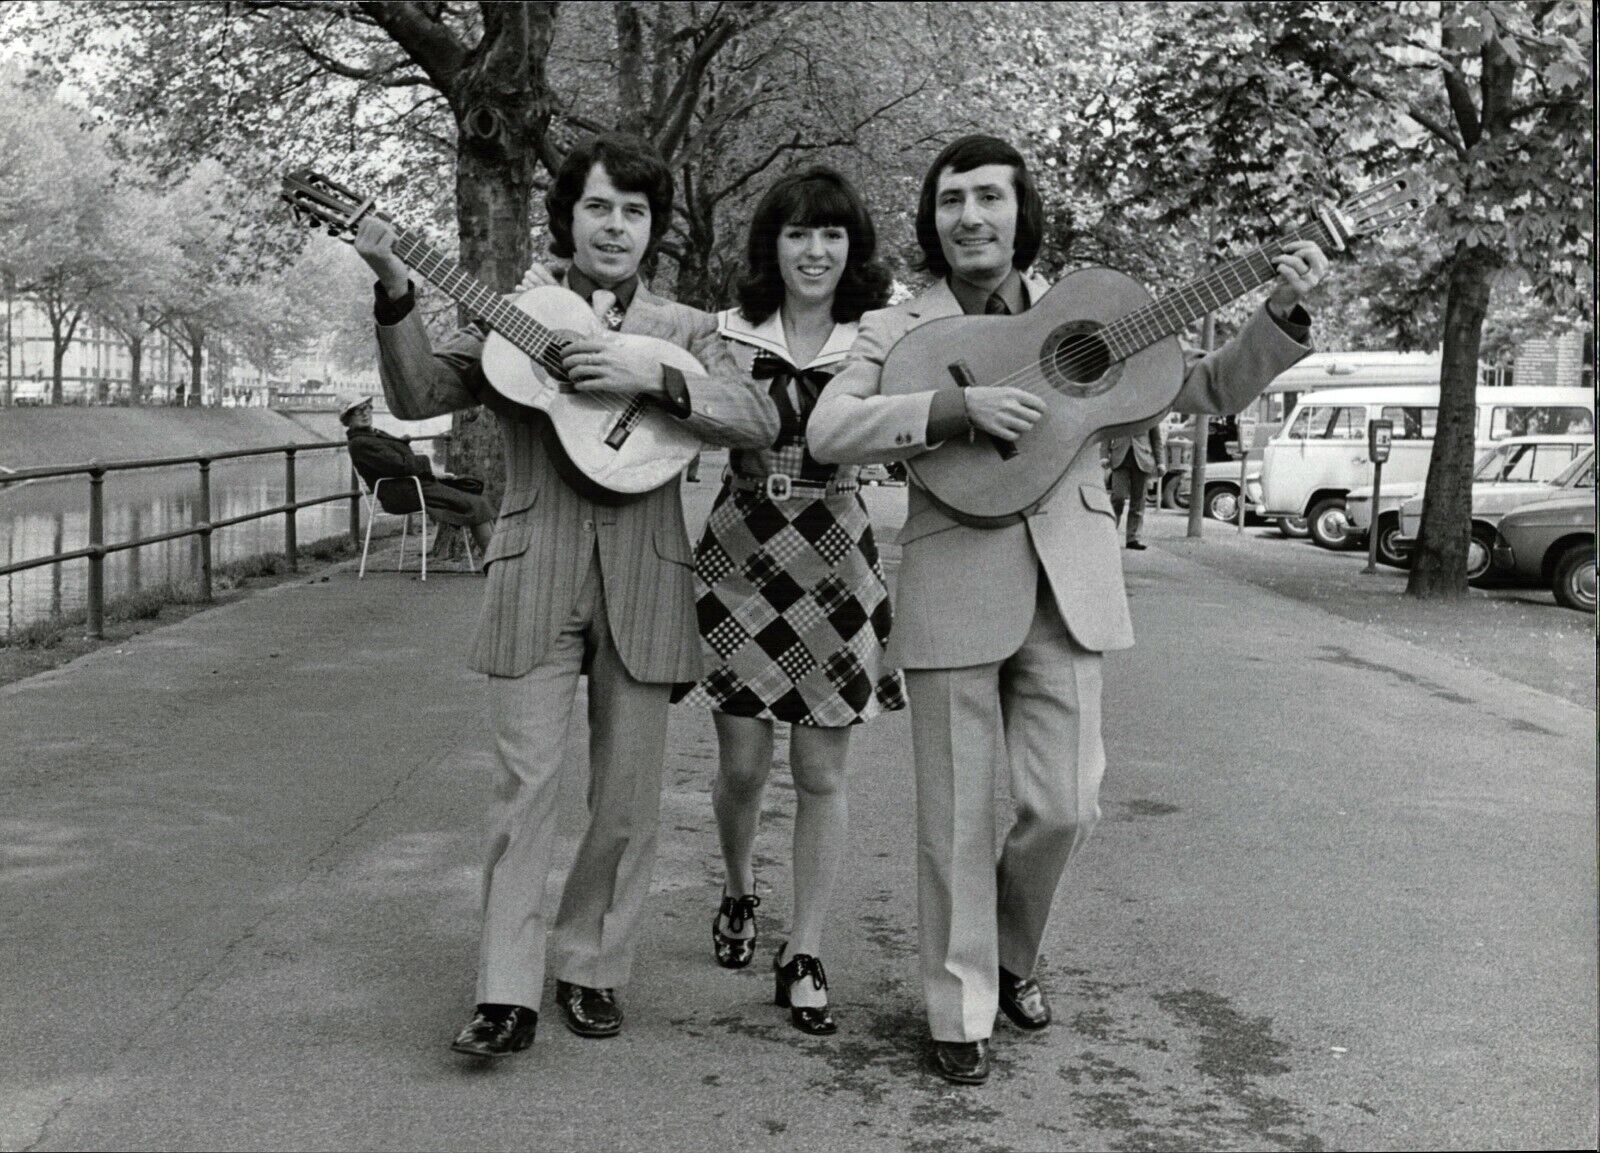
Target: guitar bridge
(624, 426)
(964, 379)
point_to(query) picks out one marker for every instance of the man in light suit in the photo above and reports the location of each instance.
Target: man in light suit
(1132, 461)
(575, 585)
(1006, 626)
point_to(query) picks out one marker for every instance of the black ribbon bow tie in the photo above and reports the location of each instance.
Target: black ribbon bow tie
(770, 367)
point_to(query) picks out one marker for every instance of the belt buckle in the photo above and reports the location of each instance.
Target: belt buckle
(778, 486)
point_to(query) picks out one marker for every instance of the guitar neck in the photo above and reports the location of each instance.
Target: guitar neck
(1180, 308)
(504, 317)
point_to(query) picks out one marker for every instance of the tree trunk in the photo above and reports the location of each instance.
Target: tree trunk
(695, 285)
(634, 115)
(58, 356)
(135, 369)
(503, 109)
(1439, 561)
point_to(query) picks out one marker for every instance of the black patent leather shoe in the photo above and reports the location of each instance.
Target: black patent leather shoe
(589, 1012)
(735, 952)
(1023, 1001)
(964, 1062)
(817, 1021)
(497, 1031)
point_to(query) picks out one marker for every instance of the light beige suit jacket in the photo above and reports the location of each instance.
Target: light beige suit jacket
(966, 596)
(547, 532)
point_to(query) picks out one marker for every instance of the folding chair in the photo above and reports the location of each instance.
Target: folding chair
(370, 495)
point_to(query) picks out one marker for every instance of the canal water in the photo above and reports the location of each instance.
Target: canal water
(44, 517)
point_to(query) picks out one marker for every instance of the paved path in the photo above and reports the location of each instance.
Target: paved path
(238, 906)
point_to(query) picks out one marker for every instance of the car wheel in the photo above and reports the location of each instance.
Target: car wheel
(1574, 578)
(1393, 549)
(1329, 526)
(1480, 555)
(1169, 494)
(1294, 527)
(1222, 502)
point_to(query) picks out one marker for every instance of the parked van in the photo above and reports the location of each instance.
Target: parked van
(1264, 417)
(1321, 454)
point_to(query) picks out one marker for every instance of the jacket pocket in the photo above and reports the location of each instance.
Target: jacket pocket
(520, 500)
(1097, 499)
(512, 533)
(674, 547)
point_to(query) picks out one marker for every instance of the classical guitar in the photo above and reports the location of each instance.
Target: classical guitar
(613, 446)
(1102, 354)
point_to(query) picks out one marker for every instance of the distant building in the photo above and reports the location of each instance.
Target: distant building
(1566, 360)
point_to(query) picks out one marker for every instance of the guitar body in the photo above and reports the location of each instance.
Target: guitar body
(1050, 350)
(657, 446)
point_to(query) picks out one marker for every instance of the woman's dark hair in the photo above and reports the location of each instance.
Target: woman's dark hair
(964, 155)
(633, 165)
(816, 197)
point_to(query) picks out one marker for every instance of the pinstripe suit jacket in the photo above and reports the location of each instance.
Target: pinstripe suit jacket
(547, 532)
(965, 596)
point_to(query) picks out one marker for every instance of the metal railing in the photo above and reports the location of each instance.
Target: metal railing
(98, 548)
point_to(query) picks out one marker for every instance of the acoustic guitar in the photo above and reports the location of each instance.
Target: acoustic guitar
(1099, 350)
(611, 447)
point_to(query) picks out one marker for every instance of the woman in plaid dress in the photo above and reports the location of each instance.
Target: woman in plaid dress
(794, 610)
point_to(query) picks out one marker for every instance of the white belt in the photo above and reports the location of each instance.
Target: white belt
(781, 486)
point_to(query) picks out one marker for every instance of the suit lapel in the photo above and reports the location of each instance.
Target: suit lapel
(935, 302)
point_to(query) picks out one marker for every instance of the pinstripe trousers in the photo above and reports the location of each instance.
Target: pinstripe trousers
(973, 914)
(592, 940)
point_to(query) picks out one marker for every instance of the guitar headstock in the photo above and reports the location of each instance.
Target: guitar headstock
(1381, 206)
(316, 201)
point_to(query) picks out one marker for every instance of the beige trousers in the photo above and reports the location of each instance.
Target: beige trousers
(975, 915)
(593, 937)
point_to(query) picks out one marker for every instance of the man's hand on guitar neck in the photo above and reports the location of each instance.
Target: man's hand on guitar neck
(1301, 267)
(375, 243)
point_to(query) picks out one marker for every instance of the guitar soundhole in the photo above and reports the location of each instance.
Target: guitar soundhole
(1077, 362)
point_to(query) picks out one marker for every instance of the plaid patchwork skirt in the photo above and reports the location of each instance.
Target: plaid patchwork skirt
(794, 612)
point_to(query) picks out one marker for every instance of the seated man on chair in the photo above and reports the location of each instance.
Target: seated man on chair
(379, 456)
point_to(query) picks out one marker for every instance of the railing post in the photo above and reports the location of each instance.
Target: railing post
(205, 528)
(290, 550)
(97, 559)
(355, 506)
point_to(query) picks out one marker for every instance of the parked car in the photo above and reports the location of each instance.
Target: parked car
(1492, 501)
(1551, 543)
(1522, 464)
(1310, 468)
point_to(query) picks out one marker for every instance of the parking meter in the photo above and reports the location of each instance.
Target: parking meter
(1379, 434)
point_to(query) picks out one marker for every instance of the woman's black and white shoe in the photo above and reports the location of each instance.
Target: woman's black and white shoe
(816, 1020)
(735, 952)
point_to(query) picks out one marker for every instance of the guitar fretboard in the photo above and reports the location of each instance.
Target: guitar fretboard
(1180, 308)
(522, 330)
(505, 318)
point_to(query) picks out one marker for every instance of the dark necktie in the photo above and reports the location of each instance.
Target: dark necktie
(995, 306)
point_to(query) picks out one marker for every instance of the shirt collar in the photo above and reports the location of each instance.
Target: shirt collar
(769, 336)
(973, 299)
(578, 281)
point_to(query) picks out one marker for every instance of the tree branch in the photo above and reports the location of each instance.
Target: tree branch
(685, 95)
(421, 37)
(377, 76)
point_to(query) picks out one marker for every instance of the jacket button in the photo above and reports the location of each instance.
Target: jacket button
(588, 526)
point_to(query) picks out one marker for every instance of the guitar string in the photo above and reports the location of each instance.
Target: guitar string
(1149, 324)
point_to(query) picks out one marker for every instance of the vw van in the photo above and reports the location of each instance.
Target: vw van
(1310, 467)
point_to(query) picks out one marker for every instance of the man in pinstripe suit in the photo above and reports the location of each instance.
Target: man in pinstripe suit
(575, 586)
